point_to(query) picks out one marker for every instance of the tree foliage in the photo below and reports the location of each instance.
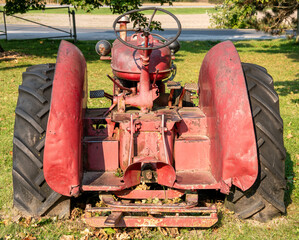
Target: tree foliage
(116, 7)
(272, 16)
(22, 6)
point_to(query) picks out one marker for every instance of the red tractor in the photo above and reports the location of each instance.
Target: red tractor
(153, 152)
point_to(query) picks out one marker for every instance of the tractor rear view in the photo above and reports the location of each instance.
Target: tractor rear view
(159, 146)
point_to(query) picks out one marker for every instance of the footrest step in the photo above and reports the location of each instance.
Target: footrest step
(191, 86)
(173, 85)
(97, 94)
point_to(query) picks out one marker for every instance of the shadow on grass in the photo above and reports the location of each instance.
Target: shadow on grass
(285, 88)
(289, 172)
(49, 48)
(288, 47)
(14, 67)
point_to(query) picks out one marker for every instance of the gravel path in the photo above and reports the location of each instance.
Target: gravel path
(105, 21)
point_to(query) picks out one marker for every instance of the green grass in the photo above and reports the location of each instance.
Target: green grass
(280, 57)
(107, 11)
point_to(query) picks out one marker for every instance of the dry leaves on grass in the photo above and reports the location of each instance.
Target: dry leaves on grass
(10, 55)
(30, 237)
(67, 237)
(289, 135)
(76, 213)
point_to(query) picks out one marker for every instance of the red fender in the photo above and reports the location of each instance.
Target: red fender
(225, 101)
(63, 146)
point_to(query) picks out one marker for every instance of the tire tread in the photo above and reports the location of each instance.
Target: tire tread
(265, 199)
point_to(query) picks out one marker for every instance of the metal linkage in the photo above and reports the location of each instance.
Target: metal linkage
(150, 215)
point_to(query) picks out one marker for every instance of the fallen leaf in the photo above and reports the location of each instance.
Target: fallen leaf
(6, 222)
(67, 237)
(28, 220)
(76, 213)
(163, 231)
(86, 232)
(172, 232)
(22, 235)
(109, 231)
(289, 135)
(85, 238)
(29, 238)
(122, 236)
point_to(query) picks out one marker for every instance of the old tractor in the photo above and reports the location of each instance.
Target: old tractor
(160, 146)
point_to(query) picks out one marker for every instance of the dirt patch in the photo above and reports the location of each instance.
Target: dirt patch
(10, 55)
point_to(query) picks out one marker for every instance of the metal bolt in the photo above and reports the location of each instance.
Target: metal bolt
(149, 175)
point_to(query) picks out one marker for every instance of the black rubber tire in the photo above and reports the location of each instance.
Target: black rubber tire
(32, 195)
(265, 199)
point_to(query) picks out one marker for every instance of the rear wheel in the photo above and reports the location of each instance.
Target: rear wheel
(265, 199)
(32, 195)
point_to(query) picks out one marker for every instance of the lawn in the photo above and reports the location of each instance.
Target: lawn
(280, 57)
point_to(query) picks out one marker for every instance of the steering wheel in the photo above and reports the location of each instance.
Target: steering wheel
(147, 30)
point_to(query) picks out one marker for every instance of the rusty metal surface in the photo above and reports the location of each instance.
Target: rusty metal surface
(151, 216)
(127, 62)
(99, 147)
(185, 214)
(224, 100)
(154, 209)
(102, 154)
(178, 221)
(63, 148)
(101, 181)
(198, 157)
(165, 172)
(148, 207)
(196, 180)
(147, 140)
(149, 194)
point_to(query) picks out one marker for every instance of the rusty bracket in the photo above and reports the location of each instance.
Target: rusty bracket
(150, 215)
(131, 150)
(113, 219)
(110, 202)
(163, 130)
